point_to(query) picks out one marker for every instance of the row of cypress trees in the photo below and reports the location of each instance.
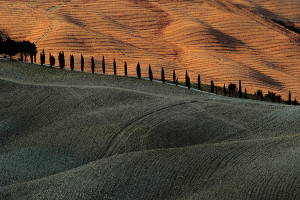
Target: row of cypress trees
(232, 88)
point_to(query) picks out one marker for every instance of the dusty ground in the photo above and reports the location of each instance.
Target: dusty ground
(223, 40)
(72, 135)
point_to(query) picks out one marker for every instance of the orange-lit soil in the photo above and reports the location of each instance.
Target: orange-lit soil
(223, 40)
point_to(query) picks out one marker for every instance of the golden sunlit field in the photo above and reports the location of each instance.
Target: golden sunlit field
(223, 40)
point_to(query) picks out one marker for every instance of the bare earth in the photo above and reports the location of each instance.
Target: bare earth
(72, 135)
(223, 40)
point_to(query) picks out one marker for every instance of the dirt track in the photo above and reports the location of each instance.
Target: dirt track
(72, 135)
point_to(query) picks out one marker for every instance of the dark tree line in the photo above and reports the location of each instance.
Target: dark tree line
(25, 48)
(11, 48)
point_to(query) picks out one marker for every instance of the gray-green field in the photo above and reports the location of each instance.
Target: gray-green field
(72, 135)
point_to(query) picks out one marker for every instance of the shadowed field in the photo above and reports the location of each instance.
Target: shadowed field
(223, 40)
(72, 135)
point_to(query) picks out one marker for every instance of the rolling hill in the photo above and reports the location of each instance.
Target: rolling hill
(73, 135)
(223, 40)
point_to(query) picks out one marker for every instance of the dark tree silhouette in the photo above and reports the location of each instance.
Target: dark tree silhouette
(32, 51)
(138, 70)
(245, 93)
(225, 91)
(125, 68)
(188, 82)
(103, 65)
(31, 58)
(115, 67)
(11, 48)
(240, 89)
(52, 60)
(186, 78)
(216, 90)
(272, 96)
(199, 82)
(212, 86)
(34, 56)
(21, 56)
(42, 57)
(150, 73)
(61, 59)
(295, 102)
(25, 47)
(82, 63)
(290, 98)
(2, 45)
(176, 83)
(278, 98)
(72, 62)
(232, 88)
(163, 75)
(174, 77)
(260, 94)
(93, 65)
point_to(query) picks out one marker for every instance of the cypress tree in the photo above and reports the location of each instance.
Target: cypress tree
(138, 70)
(125, 68)
(261, 96)
(199, 82)
(188, 82)
(225, 91)
(163, 75)
(53, 60)
(103, 65)
(174, 77)
(245, 93)
(216, 90)
(42, 57)
(50, 59)
(186, 78)
(72, 62)
(115, 67)
(290, 98)
(61, 59)
(176, 81)
(212, 86)
(93, 65)
(240, 89)
(231, 88)
(150, 73)
(82, 63)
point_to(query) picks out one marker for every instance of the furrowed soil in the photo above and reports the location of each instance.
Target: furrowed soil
(73, 135)
(223, 40)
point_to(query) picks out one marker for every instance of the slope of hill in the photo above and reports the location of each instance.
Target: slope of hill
(72, 135)
(223, 40)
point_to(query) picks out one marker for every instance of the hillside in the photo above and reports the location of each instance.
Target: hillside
(72, 135)
(223, 40)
